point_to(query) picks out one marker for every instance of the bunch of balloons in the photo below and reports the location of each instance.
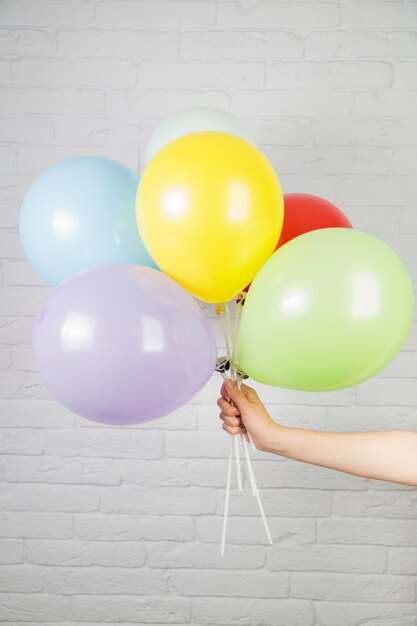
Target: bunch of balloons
(121, 339)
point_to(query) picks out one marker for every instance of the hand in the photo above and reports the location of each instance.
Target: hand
(242, 411)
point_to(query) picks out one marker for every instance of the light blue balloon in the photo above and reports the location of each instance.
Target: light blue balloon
(78, 214)
(195, 120)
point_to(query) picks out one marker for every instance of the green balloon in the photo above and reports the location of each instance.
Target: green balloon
(328, 310)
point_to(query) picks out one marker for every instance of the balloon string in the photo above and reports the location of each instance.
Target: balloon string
(235, 335)
(235, 440)
(238, 379)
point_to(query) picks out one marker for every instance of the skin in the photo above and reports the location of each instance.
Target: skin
(388, 455)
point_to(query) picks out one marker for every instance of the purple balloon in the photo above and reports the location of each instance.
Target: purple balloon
(123, 344)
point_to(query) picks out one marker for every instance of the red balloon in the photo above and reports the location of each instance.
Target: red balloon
(304, 212)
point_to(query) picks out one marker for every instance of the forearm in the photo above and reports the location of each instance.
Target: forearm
(388, 455)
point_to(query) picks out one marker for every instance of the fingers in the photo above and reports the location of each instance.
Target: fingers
(233, 430)
(230, 421)
(228, 409)
(249, 393)
(224, 394)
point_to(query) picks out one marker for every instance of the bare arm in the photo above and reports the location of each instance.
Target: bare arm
(389, 455)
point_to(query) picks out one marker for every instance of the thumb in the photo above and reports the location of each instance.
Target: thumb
(236, 395)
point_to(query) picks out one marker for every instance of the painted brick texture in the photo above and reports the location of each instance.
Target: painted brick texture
(122, 526)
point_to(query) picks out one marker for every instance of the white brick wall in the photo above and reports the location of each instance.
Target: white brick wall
(122, 526)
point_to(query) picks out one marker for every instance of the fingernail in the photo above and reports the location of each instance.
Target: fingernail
(230, 384)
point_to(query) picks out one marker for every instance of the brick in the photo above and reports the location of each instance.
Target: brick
(246, 584)
(328, 161)
(55, 102)
(24, 42)
(147, 15)
(32, 159)
(14, 384)
(327, 75)
(162, 501)
(15, 441)
(54, 470)
(402, 560)
(12, 189)
(5, 72)
(404, 161)
(385, 103)
(30, 413)
(178, 555)
(18, 273)
(134, 527)
(176, 472)
(380, 16)
(5, 357)
(65, 498)
(285, 132)
(194, 445)
(353, 614)
(23, 301)
(28, 607)
(150, 610)
(35, 525)
(353, 419)
(369, 504)
(10, 244)
(376, 220)
(7, 155)
(23, 358)
(405, 75)
(352, 588)
(11, 551)
(98, 131)
(295, 16)
(88, 73)
(369, 132)
(198, 74)
(18, 578)
(285, 503)
(370, 532)
(379, 392)
(334, 558)
(371, 190)
(291, 103)
(114, 43)
(85, 553)
(238, 45)
(104, 580)
(109, 442)
(256, 613)
(408, 221)
(403, 364)
(161, 103)
(354, 44)
(45, 13)
(249, 530)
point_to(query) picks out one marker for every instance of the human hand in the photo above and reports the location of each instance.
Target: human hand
(242, 411)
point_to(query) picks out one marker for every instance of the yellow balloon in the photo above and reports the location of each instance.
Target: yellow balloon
(210, 209)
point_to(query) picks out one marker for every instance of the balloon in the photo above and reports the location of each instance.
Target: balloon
(195, 120)
(80, 213)
(210, 210)
(122, 344)
(326, 311)
(304, 212)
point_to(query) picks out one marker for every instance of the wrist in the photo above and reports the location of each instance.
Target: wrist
(273, 439)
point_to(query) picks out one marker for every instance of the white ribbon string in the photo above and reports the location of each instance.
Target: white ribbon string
(226, 501)
(236, 377)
